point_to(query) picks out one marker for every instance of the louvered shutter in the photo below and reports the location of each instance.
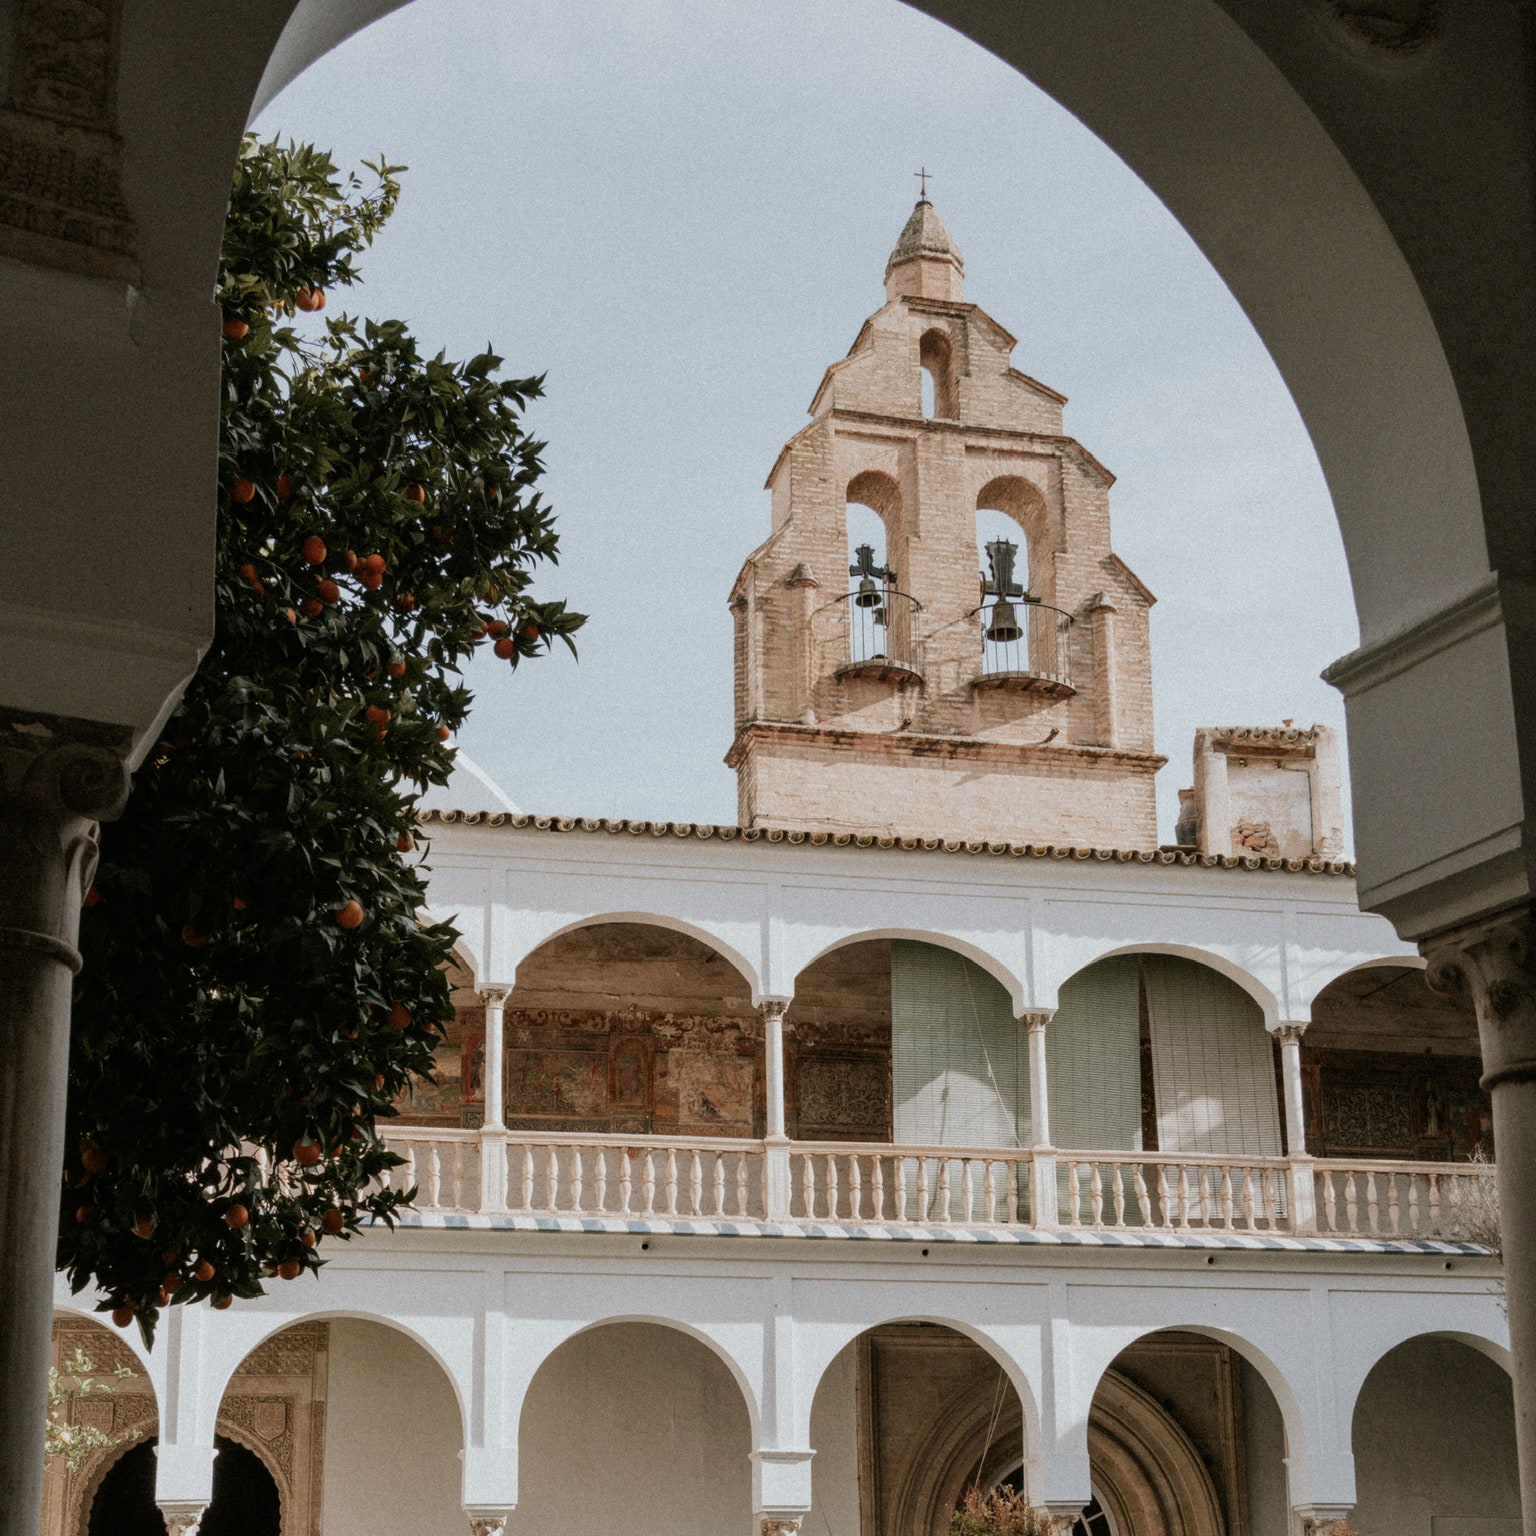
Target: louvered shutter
(1212, 1062)
(1093, 1059)
(959, 1058)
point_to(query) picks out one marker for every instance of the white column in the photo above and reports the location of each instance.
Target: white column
(776, 1186)
(493, 1129)
(1300, 1179)
(185, 1454)
(1043, 1211)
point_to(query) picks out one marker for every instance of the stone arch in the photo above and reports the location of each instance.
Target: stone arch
(704, 1418)
(936, 358)
(1353, 1373)
(1008, 979)
(1259, 991)
(710, 940)
(1022, 502)
(881, 493)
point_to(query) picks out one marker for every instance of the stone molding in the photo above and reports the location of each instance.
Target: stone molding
(1493, 964)
(61, 160)
(182, 1519)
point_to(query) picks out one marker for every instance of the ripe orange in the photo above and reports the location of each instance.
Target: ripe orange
(405, 602)
(238, 904)
(92, 897)
(405, 842)
(122, 1313)
(350, 559)
(530, 631)
(92, 1157)
(328, 591)
(505, 647)
(443, 733)
(312, 606)
(350, 914)
(370, 581)
(497, 627)
(143, 1226)
(310, 299)
(333, 1221)
(290, 1269)
(415, 492)
(306, 1151)
(237, 1216)
(284, 487)
(219, 1303)
(204, 1272)
(173, 1282)
(399, 1016)
(374, 563)
(235, 328)
(374, 715)
(313, 549)
(396, 669)
(249, 572)
(191, 937)
(242, 490)
(307, 1238)
(83, 1213)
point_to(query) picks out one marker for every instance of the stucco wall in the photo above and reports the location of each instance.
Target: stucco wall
(1434, 1439)
(835, 1439)
(634, 1428)
(392, 1437)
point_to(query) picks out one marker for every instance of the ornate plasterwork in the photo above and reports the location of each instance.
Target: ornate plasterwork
(1493, 964)
(780, 1525)
(61, 161)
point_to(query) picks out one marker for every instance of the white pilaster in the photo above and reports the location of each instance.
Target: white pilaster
(776, 1188)
(493, 1130)
(1303, 1192)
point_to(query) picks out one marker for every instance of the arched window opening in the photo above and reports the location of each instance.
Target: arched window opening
(1022, 634)
(936, 357)
(881, 617)
(245, 1497)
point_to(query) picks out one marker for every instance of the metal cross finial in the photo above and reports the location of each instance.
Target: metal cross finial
(922, 176)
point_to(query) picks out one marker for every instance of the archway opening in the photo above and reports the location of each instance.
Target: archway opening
(940, 394)
(1434, 1441)
(245, 1499)
(634, 1419)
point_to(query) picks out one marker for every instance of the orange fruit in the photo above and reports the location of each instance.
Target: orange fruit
(313, 607)
(399, 1016)
(92, 897)
(242, 490)
(249, 572)
(328, 591)
(204, 1272)
(284, 487)
(237, 1216)
(307, 1238)
(173, 1282)
(313, 549)
(374, 563)
(530, 631)
(306, 1151)
(350, 914)
(219, 1303)
(191, 937)
(290, 1269)
(350, 559)
(122, 1313)
(238, 904)
(370, 581)
(333, 1221)
(309, 299)
(374, 715)
(235, 328)
(415, 492)
(396, 669)
(405, 602)
(405, 842)
(497, 627)
(83, 1213)
(443, 733)
(143, 1226)
(505, 647)
(92, 1157)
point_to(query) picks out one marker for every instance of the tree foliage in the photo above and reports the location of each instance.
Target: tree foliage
(259, 987)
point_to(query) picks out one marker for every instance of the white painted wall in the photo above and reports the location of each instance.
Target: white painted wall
(633, 1428)
(1434, 1443)
(835, 1439)
(392, 1436)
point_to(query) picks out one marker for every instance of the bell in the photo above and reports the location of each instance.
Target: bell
(868, 595)
(1004, 626)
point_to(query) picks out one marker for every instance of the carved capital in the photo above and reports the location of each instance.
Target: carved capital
(482, 1524)
(495, 997)
(1311, 1527)
(1288, 1034)
(1037, 1018)
(182, 1518)
(773, 1009)
(1491, 964)
(780, 1525)
(58, 779)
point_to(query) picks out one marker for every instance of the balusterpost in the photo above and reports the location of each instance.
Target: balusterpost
(493, 1129)
(776, 1147)
(1043, 1205)
(1300, 1177)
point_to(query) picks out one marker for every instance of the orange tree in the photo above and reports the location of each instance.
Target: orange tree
(259, 986)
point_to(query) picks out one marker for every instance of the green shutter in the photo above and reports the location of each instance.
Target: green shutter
(1212, 1062)
(1093, 1059)
(959, 1058)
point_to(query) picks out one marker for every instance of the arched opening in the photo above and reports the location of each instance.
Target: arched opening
(245, 1496)
(633, 1419)
(1391, 1069)
(941, 396)
(1434, 1442)
(880, 616)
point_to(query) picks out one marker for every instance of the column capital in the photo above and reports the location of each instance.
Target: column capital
(1327, 1524)
(774, 1007)
(1036, 1018)
(780, 1525)
(182, 1516)
(1492, 964)
(487, 1520)
(1288, 1032)
(494, 996)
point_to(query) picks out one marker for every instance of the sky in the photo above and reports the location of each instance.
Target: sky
(679, 212)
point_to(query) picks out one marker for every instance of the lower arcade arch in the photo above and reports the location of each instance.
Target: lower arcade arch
(246, 1500)
(634, 1425)
(1433, 1435)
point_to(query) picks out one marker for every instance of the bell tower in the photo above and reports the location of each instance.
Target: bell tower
(986, 674)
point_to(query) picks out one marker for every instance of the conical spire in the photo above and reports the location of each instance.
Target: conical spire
(926, 260)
